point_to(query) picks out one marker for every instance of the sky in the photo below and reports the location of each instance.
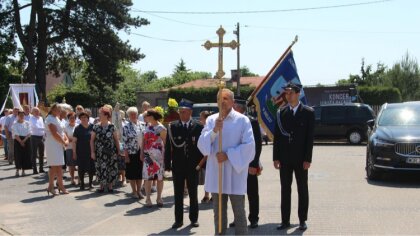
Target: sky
(331, 45)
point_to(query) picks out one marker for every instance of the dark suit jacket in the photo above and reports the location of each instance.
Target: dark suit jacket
(180, 159)
(258, 142)
(301, 128)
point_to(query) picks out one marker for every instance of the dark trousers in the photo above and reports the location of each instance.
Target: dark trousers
(192, 184)
(253, 198)
(81, 174)
(286, 178)
(37, 146)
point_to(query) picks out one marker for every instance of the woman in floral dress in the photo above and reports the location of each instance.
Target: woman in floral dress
(105, 147)
(152, 155)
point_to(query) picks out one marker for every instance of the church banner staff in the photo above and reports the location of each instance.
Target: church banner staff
(269, 95)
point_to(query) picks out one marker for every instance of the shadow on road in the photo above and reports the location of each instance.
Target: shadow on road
(182, 231)
(89, 195)
(124, 201)
(8, 177)
(400, 180)
(168, 202)
(271, 229)
(337, 144)
(36, 199)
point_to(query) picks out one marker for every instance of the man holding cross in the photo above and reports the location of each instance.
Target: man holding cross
(238, 150)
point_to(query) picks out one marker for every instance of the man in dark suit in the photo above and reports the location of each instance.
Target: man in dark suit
(181, 157)
(292, 152)
(254, 167)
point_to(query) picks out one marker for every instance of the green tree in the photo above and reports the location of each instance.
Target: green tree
(368, 76)
(126, 93)
(58, 30)
(149, 76)
(181, 67)
(246, 72)
(405, 76)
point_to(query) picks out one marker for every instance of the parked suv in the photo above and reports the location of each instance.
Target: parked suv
(343, 121)
(199, 107)
(394, 140)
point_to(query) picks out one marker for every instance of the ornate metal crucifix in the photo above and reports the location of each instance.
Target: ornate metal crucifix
(221, 83)
(208, 45)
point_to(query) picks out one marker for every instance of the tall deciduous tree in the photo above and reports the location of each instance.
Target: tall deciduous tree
(58, 30)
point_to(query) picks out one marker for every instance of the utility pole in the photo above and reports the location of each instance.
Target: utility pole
(238, 68)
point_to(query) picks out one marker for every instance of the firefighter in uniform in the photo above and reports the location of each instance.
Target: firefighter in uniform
(181, 157)
(292, 152)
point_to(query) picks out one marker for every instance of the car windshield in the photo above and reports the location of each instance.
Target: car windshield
(400, 116)
(197, 110)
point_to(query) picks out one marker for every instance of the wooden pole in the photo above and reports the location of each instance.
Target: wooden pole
(219, 103)
(221, 83)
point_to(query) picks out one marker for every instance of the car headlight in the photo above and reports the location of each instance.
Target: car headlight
(383, 143)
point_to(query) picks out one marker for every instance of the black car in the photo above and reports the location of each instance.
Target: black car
(343, 121)
(394, 141)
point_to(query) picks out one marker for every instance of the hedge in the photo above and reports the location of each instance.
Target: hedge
(77, 98)
(379, 95)
(204, 95)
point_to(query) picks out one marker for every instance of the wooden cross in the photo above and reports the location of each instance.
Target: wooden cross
(221, 83)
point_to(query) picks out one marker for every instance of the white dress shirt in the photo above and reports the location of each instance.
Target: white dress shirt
(37, 126)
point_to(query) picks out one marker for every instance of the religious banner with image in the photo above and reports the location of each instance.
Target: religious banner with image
(22, 94)
(269, 95)
(23, 99)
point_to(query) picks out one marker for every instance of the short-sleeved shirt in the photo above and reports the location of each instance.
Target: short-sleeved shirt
(21, 129)
(37, 126)
(83, 135)
(10, 120)
(69, 132)
(133, 136)
(55, 121)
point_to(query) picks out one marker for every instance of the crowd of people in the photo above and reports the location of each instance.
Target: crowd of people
(140, 150)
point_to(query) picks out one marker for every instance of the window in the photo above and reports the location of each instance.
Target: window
(333, 113)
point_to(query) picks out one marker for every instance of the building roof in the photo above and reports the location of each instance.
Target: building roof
(208, 83)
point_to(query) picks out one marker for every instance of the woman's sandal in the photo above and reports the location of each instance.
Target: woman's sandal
(159, 203)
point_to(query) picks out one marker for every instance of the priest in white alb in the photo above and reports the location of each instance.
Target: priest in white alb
(238, 151)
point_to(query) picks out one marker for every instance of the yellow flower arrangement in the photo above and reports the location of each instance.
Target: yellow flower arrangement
(160, 110)
(172, 103)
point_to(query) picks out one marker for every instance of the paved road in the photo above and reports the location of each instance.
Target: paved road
(342, 201)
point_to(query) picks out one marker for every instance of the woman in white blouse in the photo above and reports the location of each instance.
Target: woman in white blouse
(21, 131)
(55, 141)
(70, 160)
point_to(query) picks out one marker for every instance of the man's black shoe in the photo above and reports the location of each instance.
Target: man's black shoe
(231, 225)
(177, 225)
(253, 225)
(283, 226)
(302, 226)
(195, 224)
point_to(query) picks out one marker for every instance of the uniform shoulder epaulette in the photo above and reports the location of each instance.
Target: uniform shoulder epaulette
(308, 108)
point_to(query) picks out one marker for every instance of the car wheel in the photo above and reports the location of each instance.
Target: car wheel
(371, 172)
(355, 137)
